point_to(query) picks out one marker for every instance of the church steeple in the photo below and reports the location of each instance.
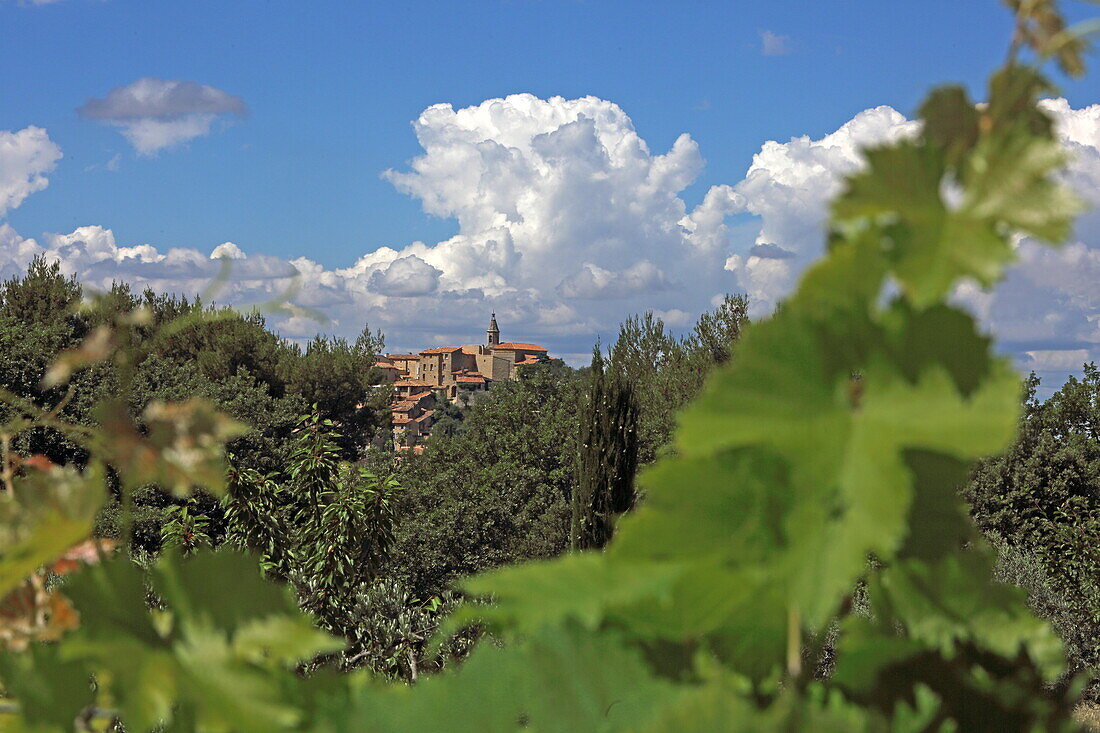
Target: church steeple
(493, 332)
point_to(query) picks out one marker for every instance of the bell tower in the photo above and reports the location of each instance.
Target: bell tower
(492, 333)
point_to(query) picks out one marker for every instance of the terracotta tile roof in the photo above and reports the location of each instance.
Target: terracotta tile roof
(419, 396)
(442, 350)
(529, 360)
(512, 346)
(384, 365)
(425, 417)
(413, 383)
(403, 357)
(472, 380)
(401, 419)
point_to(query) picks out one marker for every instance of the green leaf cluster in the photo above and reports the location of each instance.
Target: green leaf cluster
(219, 653)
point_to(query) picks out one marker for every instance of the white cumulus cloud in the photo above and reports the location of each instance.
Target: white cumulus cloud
(405, 277)
(1048, 304)
(227, 250)
(541, 187)
(592, 282)
(26, 156)
(789, 186)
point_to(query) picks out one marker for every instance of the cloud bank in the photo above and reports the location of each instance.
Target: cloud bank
(154, 114)
(568, 222)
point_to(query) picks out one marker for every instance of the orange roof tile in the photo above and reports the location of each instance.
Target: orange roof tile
(512, 346)
(442, 350)
(472, 380)
(413, 383)
(403, 357)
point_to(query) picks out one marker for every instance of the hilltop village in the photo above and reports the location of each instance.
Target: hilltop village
(423, 381)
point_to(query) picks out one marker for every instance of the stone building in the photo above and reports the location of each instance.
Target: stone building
(470, 367)
(453, 373)
(388, 369)
(404, 363)
(412, 418)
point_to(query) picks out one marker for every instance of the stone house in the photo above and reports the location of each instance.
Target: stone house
(405, 388)
(412, 417)
(390, 372)
(404, 363)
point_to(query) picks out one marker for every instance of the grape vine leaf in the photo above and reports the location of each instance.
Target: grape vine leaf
(844, 440)
(181, 445)
(51, 691)
(953, 599)
(226, 640)
(555, 679)
(581, 587)
(52, 509)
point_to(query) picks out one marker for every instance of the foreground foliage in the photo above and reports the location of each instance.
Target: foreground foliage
(809, 508)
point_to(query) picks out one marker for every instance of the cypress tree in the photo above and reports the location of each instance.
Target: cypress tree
(608, 456)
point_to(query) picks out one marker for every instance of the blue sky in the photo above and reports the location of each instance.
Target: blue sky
(332, 87)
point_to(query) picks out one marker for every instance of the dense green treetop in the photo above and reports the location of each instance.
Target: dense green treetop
(498, 491)
(1040, 504)
(666, 372)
